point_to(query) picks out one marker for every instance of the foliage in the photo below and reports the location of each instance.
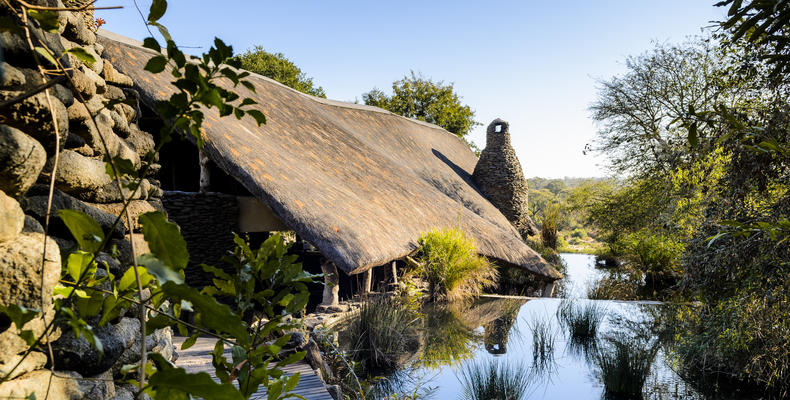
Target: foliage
(154, 283)
(446, 338)
(620, 284)
(494, 380)
(279, 68)
(548, 227)
(451, 266)
(384, 332)
(423, 99)
(645, 115)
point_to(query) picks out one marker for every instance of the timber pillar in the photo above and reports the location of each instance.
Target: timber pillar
(331, 284)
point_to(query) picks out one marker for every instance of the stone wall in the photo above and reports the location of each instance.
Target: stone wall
(27, 159)
(207, 222)
(499, 177)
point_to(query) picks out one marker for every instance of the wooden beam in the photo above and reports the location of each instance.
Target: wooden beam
(367, 282)
(395, 272)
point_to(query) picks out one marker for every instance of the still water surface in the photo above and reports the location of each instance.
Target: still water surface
(497, 332)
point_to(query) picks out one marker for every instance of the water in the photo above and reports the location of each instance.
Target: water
(501, 330)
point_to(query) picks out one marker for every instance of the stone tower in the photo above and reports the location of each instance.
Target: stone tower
(499, 177)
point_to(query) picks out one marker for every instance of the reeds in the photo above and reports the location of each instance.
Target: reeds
(494, 380)
(542, 346)
(624, 366)
(383, 334)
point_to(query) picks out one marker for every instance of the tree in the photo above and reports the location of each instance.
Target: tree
(279, 68)
(644, 115)
(423, 99)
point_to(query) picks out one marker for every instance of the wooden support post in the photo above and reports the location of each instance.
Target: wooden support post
(367, 282)
(395, 272)
(205, 178)
(331, 284)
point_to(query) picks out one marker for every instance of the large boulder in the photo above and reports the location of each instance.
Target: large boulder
(35, 360)
(63, 385)
(12, 219)
(37, 207)
(22, 284)
(21, 160)
(21, 261)
(77, 173)
(33, 116)
(77, 354)
(135, 209)
(109, 193)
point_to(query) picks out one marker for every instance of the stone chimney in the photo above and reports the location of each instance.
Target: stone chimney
(499, 177)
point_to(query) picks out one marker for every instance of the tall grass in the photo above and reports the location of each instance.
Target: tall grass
(542, 346)
(384, 333)
(494, 380)
(451, 266)
(581, 321)
(624, 366)
(548, 228)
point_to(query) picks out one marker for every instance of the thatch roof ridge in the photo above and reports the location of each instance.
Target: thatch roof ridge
(331, 102)
(358, 182)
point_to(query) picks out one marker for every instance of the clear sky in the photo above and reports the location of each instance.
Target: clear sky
(532, 63)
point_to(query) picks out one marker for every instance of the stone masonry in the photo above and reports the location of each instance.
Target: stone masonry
(27, 157)
(499, 177)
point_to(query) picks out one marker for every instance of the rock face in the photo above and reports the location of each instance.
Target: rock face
(69, 119)
(499, 177)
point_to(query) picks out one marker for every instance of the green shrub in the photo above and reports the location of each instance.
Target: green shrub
(449, 263)
(494, 380)
(579, 233)
(548, 228)
(653, 253)
(384, 333)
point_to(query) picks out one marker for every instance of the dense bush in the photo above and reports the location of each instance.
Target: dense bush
(449, 263)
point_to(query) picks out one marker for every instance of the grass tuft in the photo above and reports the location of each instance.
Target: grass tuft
(451, 266)
(494, 380)
(383, 334)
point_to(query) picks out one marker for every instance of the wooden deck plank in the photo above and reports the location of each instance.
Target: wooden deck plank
(198, 359)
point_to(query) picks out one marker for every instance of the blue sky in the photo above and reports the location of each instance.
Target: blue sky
(532, 63)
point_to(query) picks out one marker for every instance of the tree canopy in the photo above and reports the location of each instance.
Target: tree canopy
(421, 98)
(279, 68)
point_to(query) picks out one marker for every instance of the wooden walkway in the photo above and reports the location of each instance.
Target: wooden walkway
(198, 359)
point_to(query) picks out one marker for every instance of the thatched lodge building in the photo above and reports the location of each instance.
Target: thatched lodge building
(358, 183)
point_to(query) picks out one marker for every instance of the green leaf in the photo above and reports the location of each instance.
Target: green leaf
(66, 291)
(85, 230)
(157, 10)
(157, 268)
(190, 341)
(214, 315)
(78, 263)
(128, 279)
(164, 239)
(19, 315)
(165, 33)
(47, 19)
(123, 166)
(692, 136)
(151, 43)
(47, 55)
(8, 25)
(82, 55)
(173, 383)
(260, 119)
(156, 64)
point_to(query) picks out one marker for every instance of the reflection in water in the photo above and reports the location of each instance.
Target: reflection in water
(494, 379)
(497, 332)
(587, 349)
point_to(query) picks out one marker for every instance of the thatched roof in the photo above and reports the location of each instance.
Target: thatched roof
(358, 182)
